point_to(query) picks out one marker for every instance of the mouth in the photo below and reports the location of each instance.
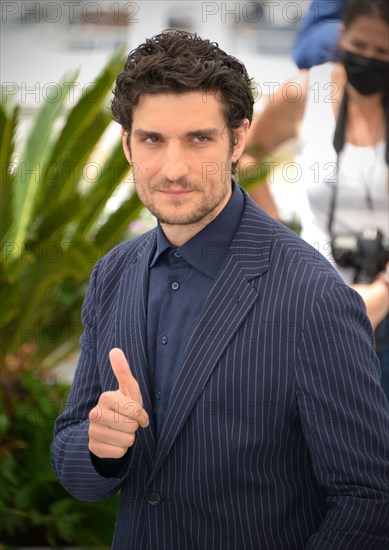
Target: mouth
(175, 192)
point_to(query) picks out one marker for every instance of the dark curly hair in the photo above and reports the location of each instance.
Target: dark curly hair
(177, 62)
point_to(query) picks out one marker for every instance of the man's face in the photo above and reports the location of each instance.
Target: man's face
(181, 152)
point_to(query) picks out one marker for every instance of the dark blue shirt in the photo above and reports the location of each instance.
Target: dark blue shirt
(179, 282)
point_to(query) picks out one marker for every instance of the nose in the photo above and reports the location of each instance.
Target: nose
(175, 164)
(370, 52)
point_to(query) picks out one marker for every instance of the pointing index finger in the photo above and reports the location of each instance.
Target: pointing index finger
(127, 383)
(122, 372)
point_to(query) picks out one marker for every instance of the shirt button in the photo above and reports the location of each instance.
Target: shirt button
(177, 254)
(164, 339)
(154, 499)
(158, 395)
(175, 285)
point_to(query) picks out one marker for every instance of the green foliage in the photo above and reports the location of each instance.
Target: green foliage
(54, 226)
(54, 221)
(253, 174)
(34, 509)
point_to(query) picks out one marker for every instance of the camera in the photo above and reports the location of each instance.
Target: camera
(367, 252)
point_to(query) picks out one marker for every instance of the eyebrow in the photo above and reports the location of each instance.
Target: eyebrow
(208, 132)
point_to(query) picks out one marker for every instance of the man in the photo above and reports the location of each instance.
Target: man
(227, 382)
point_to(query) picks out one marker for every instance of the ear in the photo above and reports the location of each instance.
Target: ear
(126, 149)
(240, 135)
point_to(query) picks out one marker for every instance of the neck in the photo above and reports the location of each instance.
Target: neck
(365, 124)
(365, 103)
(178, 235)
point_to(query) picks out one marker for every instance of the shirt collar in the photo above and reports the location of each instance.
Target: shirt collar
(207, 250)
(162, 245)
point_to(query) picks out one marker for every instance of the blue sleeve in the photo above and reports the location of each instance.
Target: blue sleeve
(317, 38)
(345, 420)
(83, 475)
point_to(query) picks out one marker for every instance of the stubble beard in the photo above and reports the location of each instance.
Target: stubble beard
(201, 213)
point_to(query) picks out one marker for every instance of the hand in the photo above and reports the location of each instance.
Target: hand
(118, 414)
(376, 297)
(383, 276)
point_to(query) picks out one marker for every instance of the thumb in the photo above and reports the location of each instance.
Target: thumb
(121, 369)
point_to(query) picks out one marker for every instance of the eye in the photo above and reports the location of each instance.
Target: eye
(384, 53)
(201, 139)
(152, 139)
(359, 44)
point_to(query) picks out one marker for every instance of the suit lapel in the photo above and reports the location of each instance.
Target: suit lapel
(230, 300)
(131, 333)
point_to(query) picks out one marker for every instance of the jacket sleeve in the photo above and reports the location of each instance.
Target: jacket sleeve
(345, 420)
(317, 39)
(72, 462)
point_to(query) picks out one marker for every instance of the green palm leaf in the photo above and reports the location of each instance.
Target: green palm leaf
(69, 151)
(114, 171)
(56, 217)
(111, 232)
(51, 264)
(57, 226)
(90, 104)
(36, 153)
(8, 123)
(72, 165)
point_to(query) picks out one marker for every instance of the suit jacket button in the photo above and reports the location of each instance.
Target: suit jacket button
(154, 499)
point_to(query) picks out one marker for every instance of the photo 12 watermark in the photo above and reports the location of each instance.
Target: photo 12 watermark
(52, 12)
(252, 12)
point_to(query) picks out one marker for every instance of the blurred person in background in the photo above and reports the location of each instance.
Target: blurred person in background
(339, 114)
(317, 39)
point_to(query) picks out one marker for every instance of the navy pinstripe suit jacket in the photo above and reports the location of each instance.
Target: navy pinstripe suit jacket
(276, 433)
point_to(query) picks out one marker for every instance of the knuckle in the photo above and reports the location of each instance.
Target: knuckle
(94, 414)
(118, 452)
(105, 398)
(133, 429)
(131, 408)
(92, 447)
(93, 432)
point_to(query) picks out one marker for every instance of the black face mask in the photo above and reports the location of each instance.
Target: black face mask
(366, 74)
